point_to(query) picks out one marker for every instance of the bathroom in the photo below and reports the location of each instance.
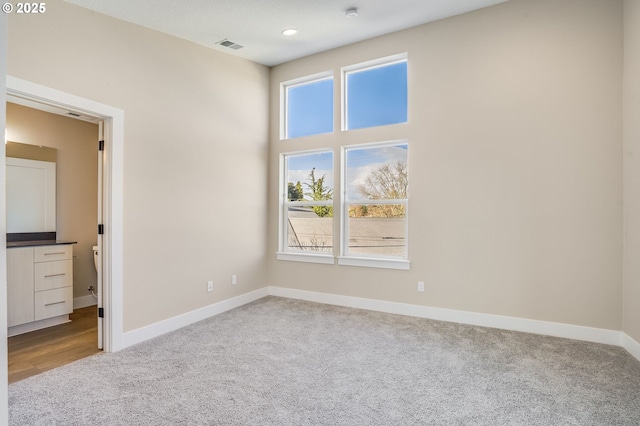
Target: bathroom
(76, 147)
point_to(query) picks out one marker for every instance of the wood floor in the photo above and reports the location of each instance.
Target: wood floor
(38, 351)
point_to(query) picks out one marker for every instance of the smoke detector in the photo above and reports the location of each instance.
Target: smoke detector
(351, 12)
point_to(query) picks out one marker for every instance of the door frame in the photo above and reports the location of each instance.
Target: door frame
(112, 240)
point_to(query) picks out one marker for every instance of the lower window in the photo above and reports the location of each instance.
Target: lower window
(375, 201)
(373, 210)
(308, 203)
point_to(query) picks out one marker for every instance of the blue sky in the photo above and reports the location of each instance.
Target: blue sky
(310, 108)
(375, 97)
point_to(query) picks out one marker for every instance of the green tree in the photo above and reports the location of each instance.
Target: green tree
(319, 192)
(295, 192)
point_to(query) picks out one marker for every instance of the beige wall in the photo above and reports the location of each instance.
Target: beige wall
(195, 151)
(515, 158)
(631, 324)
(515, 162)
(77, 180)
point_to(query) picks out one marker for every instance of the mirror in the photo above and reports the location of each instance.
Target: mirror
(31, 188)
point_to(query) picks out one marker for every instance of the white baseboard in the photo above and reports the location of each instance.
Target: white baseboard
(568, 331)
(589, 334)
(37, 325)
(631, 345)
(84, 301)
(139, 335)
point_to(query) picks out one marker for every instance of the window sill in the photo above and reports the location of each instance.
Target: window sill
(375, 263)
(326, 259)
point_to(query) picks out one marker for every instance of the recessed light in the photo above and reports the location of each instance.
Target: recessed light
(289, 32)
(351, 13)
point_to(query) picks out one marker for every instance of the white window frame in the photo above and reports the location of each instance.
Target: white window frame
(301, 255)
(369, 260)
(340, 204)
(284, 98)
(364, 66)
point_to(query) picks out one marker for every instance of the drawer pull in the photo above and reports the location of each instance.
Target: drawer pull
(55, 275)
(59, 252)
(55, 303)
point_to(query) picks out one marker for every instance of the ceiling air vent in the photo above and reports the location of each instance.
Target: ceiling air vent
(230, 44)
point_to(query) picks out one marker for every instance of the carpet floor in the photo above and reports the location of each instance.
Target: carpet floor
(287, 362)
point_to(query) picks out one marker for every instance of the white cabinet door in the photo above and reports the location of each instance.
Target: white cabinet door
(20, 286)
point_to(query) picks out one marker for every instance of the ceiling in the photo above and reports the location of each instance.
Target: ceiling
(257, 24)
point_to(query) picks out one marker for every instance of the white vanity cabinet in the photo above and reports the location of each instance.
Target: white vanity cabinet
(39, 286)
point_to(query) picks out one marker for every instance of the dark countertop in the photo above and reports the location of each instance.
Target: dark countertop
(37, 243)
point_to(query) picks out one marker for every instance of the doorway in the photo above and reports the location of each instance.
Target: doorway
(110, 241)
(62, 146)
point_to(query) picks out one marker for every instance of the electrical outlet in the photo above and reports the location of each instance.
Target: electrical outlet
(210, 286)
(234, 280)
(420, 285)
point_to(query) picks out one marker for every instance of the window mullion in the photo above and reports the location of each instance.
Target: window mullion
(385, 201)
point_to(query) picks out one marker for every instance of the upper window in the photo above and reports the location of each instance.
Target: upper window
(375, 94)
(308, 107)
(375, 201)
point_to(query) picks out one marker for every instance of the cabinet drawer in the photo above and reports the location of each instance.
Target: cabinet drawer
(51, 253)
(50, 275)
(51, 303)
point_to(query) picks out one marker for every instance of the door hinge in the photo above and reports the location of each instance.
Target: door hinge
(100, 312)
(100, 145)
(100, 229)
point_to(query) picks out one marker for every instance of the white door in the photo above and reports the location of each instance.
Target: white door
(99, 283)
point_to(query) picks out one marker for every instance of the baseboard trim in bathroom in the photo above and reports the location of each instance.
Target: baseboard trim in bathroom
(84, 301)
